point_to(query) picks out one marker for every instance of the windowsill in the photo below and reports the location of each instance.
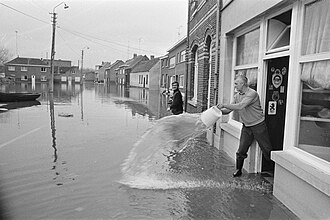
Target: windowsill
(192, 102)
(305, 166)
(232, 127)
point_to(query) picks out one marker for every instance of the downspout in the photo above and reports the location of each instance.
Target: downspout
(216, 74)
(216, 84)
(187, 61)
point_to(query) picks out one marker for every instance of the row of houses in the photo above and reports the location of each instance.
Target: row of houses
(283, 48)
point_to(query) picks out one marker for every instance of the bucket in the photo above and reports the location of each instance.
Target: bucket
(210, 116)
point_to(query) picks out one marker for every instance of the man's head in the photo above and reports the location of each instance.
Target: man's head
(175, 85)
(241, 82)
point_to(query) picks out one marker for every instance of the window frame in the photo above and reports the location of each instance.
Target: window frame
(172, 62)
(11, 68)
(301, 60)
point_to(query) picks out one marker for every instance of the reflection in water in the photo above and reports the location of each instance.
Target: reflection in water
(52, 123)
(15, 105)
(81, 102)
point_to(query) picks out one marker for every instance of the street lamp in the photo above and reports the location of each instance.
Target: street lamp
(52, 54)
(82, 63)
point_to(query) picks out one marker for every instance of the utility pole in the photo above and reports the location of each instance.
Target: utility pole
(52, 55)
(16, 45)
(82, 65)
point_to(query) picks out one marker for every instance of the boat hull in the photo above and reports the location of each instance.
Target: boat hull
(18, 97)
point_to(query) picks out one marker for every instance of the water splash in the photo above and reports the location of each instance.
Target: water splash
(151, 155)
(173, 154)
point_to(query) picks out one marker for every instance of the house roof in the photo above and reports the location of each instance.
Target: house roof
(178, 44)
(114, 64)
(145, 66)
(131, 63)
(65, 69)
(27, 61)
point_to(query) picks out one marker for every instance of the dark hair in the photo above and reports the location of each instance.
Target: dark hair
(175, 82)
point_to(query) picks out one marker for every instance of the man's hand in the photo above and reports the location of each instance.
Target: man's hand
(220, 106)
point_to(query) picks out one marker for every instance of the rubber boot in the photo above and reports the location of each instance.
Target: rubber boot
(239, 166)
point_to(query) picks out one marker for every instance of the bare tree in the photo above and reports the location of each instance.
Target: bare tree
(4, 55)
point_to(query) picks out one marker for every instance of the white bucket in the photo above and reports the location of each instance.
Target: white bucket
(210, 116)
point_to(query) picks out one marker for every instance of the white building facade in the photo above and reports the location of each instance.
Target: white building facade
(283, 47)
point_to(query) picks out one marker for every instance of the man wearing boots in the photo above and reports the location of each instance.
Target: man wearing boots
(247, 104)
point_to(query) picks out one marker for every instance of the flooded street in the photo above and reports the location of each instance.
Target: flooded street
(99, 152)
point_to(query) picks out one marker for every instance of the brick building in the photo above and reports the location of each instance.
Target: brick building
(24, 69)
(173, 66)
(202, 55)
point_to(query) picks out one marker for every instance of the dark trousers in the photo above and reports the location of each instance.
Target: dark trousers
(258, 132)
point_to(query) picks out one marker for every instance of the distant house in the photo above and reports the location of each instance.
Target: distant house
(64, 72)
(68, 74)
(100, 71)
(123, 72)
(140, 75)
(28, 70)
(173, 66)
(110, 72)
(90, 76)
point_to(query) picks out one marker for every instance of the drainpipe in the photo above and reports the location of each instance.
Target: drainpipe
(216, 88)
(216, 74)
(187, 61)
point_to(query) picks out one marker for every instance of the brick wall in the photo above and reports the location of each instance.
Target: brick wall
(202, 39)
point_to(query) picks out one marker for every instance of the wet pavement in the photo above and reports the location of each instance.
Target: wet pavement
(63, 159)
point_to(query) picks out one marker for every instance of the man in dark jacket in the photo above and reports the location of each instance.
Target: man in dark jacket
(177, 103)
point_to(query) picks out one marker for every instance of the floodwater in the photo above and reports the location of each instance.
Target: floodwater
(97, 151)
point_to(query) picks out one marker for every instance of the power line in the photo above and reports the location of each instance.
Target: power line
(24, 13)
(79, 34)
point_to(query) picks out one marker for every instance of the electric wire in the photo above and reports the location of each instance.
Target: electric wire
(81, 35)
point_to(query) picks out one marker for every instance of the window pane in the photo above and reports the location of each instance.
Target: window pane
(278, 33)
(248, 48)
(316, 32)
(314, 135)
(172, 62)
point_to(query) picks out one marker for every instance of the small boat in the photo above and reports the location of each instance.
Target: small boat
(18, 96)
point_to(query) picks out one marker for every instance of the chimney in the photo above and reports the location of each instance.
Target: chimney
(152, 57)
(134, 55)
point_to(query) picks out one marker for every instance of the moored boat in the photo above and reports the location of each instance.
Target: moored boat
(18, 96)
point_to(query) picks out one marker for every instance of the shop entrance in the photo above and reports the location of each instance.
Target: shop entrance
(275, 106)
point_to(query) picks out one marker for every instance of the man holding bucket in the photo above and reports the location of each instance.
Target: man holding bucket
(247, 104)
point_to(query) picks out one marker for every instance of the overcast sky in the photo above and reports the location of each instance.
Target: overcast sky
(112, 29)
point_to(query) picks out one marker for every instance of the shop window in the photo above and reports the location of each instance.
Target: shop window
(278, 34)
(316, 30)
(314, 134)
